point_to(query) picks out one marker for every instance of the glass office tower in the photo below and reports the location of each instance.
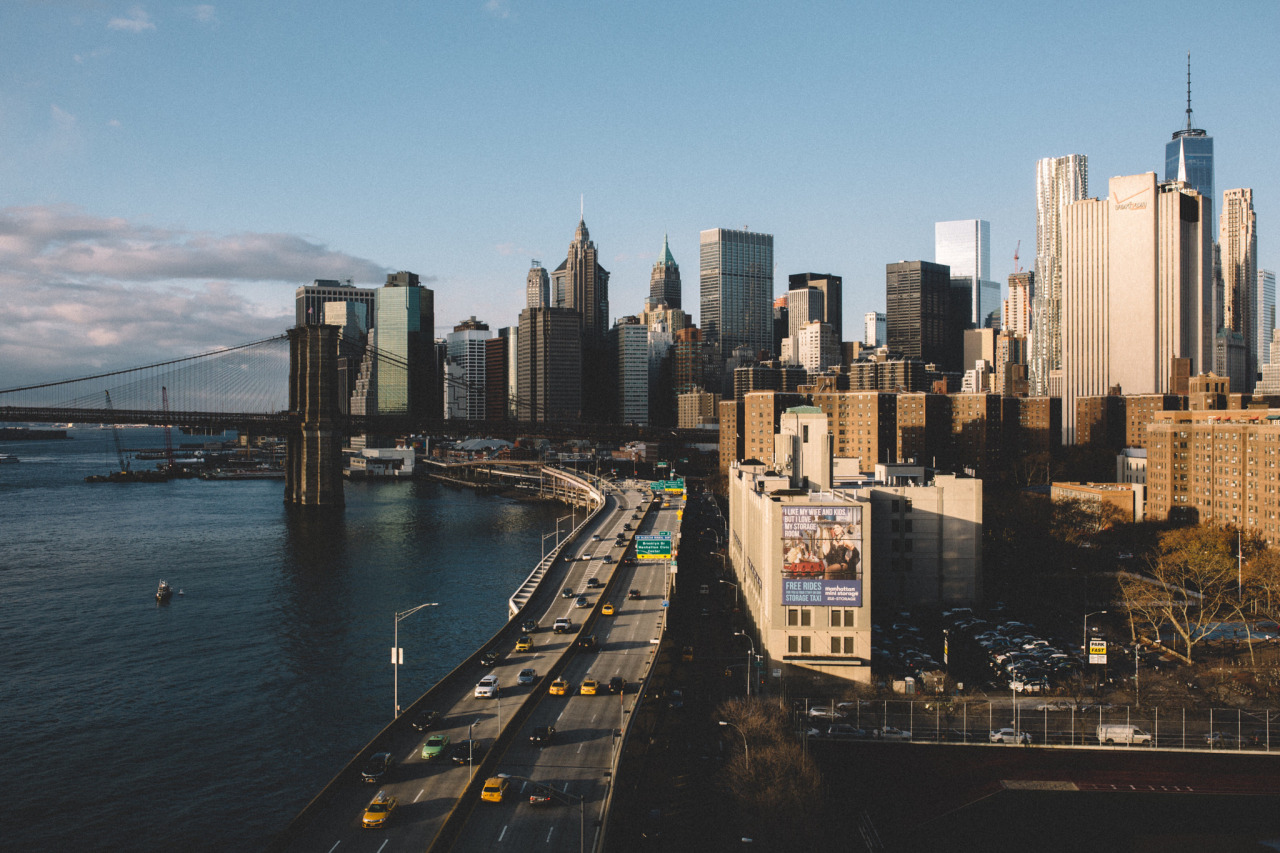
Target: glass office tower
(1189, 155)
(736, 278)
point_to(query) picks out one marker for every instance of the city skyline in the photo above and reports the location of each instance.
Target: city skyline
(157, 205)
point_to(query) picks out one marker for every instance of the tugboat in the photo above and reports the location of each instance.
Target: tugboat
(164, 592)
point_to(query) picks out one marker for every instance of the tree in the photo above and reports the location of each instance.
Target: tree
(1189, 583)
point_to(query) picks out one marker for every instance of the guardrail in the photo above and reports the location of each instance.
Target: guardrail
(526, 590)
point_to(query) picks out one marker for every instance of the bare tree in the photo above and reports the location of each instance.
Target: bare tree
(1190, 582)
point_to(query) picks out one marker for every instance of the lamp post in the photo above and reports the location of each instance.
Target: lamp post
(746, 747)
(737, 591)
(750, 654)
(1084, 641)
(397, 653)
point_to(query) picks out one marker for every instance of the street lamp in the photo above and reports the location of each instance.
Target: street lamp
(397, 653)
(737, 591)
(746, 747)
(750, 654)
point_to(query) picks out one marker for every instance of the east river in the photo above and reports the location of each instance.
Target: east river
(207, 723)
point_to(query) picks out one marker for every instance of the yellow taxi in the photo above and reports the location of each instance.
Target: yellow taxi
(559, 687)
(589, 687)
(524, 644)
(379, 811)
(607, 610)
(494, 788)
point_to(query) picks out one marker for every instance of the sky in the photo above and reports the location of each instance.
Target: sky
(170, 173)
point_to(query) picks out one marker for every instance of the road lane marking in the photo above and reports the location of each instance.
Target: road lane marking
(411, 754)
(334, 847)
(580, 747)
(504, 832)
(384, 844)
(420, 793)
(549, 831)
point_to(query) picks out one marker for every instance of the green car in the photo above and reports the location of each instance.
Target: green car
(435, 745)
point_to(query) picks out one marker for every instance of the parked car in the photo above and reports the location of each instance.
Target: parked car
(1111, 733)
(426, 720)
(891, 733)
(825, 712)
(1222, 740)
(542, 735)
(377, 767)
(1008, 735)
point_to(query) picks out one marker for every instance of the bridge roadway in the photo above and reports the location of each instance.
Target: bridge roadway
(436, 793)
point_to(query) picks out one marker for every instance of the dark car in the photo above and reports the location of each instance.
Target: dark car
(426, 720)
(567, 592)
(587, 643)
(617, 684)
(634, 595)
(377, 767)
(488, 659)
(593, 583)
(625, 527)
(465, 751)
(542, 796)
(542, 735)
(581, 602)
(529, 626)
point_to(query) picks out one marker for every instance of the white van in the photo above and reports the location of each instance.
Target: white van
(1112, 733)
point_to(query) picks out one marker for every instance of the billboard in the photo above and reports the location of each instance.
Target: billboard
(654, 547)
(1097, 651)
(822, 555)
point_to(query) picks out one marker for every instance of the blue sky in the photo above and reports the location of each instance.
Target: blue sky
(170, 173)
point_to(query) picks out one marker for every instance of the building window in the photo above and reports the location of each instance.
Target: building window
(806, 617)
(793, 617)
(848, 645)
(799, 645)
(835, 645)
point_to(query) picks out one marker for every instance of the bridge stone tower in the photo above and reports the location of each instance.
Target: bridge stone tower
(313, 472)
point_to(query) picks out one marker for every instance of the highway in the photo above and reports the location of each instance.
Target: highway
(577, 763)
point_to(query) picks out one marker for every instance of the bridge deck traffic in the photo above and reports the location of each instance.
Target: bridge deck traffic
(438, 803)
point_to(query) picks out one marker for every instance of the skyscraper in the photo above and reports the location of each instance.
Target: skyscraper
(736, 283)
(1238, 241)
(1137, 269)
(873, 333)
(549, 376)
(964, 245)
(537, 286)
(664, 281)
(629, 351)
(1266, 303)
(832, 298)
(804, 306)
(400, 370)
(1017, 308)
(1059, 182)
(465, 370)
(1188, 157)
(310, 299)
(583, 285)
(917, 299)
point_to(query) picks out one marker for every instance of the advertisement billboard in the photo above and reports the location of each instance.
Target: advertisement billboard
(654, 547)
(822, 555)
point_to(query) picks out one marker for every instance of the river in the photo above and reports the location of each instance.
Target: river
(208, 722)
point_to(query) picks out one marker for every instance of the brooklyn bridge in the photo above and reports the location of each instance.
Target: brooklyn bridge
(288, 385)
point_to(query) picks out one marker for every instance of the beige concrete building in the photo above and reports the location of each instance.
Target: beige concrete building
(1219, 467)
(1238, 239)
(1126, 497)
(1137, 290)
(804, 549)
(697, 408)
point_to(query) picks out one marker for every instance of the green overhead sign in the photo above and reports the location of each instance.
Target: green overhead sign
(654, 547)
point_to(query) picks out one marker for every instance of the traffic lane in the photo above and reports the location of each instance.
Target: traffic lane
(514, 824)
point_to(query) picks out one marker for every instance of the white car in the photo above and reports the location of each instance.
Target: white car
(1008, 736)
(825, 712)
(527, 676)
(890, 733)
(487, 688)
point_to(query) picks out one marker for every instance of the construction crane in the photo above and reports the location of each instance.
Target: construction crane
(115, 436)
(1016, 267)
(168, 430)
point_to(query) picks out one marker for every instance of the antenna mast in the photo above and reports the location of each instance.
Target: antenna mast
(1188, 90)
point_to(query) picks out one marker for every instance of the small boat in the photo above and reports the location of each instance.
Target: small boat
(164, 592)
(7, 458)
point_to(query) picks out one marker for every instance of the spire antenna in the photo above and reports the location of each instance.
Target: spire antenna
(582, 196)
(1188, 90)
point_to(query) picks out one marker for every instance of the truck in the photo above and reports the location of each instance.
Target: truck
(562, 626)
(1112, 733)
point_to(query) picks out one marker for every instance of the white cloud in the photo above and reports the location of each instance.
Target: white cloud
(84, 292)
(498, 8)
(205, 14)
(62, 120)
(115, 122)
(137, 21)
